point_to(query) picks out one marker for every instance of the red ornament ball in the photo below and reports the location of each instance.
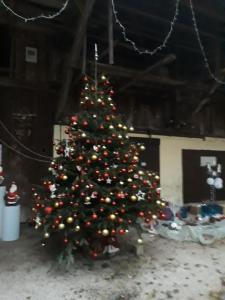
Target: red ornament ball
(48, 210)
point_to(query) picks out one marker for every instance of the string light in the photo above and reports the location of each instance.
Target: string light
(42, 16)
(146, 51)
(22, 154)
(202, 47)
(21, 144)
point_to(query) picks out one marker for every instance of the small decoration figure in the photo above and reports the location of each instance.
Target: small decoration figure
(12, 197)
(1, 175)
(214, 180)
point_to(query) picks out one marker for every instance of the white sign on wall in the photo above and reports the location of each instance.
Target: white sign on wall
(208, 160)
(31, 55)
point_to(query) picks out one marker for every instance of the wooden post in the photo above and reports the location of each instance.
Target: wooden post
(74, 55)
(110, 31)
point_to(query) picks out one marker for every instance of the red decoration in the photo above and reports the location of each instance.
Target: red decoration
(122, 231)
(141, 214)
(74, 118)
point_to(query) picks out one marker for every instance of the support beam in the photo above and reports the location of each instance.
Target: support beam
(74, 55)
(127, 73)
(158, 19)
(168, 59)
(56, 4)
(206, 99)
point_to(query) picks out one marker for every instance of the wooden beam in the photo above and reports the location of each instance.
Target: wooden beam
(48, 3)
(127, 73)
(140, 75)
(106, 51)
(206, 99)
(158, 19)
(74, 55)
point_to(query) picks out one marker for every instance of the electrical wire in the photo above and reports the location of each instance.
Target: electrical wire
(42, 16)
(22, 154)
(21, 144)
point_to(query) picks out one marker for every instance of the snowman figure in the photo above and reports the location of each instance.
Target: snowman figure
(1, 175)
(12, 196)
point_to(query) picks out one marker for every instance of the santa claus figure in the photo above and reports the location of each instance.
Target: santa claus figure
(1, 175)
(12, 197)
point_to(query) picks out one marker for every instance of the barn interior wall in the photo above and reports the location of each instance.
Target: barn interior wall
(171, 170)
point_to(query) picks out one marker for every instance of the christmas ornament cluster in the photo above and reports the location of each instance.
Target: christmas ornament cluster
(96, 189)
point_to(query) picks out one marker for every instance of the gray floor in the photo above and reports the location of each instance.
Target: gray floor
(168, 270)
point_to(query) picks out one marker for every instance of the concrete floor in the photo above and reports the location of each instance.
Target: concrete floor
(168, 270)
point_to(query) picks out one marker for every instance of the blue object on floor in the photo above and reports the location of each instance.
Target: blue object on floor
(211, 209)
(2, 195)
(11, 223)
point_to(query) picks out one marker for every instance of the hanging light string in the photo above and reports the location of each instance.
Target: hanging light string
(22, 154)
(42, 16)
(21, 144)
(133, 44)
(202, 48)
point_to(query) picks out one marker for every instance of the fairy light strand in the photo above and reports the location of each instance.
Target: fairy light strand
(42, 16)
(202, 48)
(22, 154)
(21, 144)
(133, 44)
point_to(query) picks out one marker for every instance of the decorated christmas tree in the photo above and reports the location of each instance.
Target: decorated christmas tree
(96, 189)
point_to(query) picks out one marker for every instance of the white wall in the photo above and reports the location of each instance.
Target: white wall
(171, 162)
(171, 147)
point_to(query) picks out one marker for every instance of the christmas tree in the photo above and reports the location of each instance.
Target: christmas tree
(96, 189)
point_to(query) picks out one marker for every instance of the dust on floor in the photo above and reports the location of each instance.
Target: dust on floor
(168, 270)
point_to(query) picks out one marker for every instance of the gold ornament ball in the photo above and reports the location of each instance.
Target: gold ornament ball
(61, 226)
(107, 200)
(154, 217)
(157, 177)
(46, 235)
(94, 157)
(87, 199)
(56, 204)
(112, 217)
(142, 147)
(69, 220)
(83, 134)
(120, 125)
(136, 158)
(105, 232)
(65, 177)
(103, 77)
(77, 228)
(111, 127)
(129, 179)
(133, 198)
(140, 172)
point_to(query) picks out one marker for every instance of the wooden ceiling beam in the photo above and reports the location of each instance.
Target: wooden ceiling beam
(56, 4)
(140, 75)
(116, 71)
(148, 15)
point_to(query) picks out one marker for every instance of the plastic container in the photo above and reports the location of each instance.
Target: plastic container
(11, 223)
(2, 195)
